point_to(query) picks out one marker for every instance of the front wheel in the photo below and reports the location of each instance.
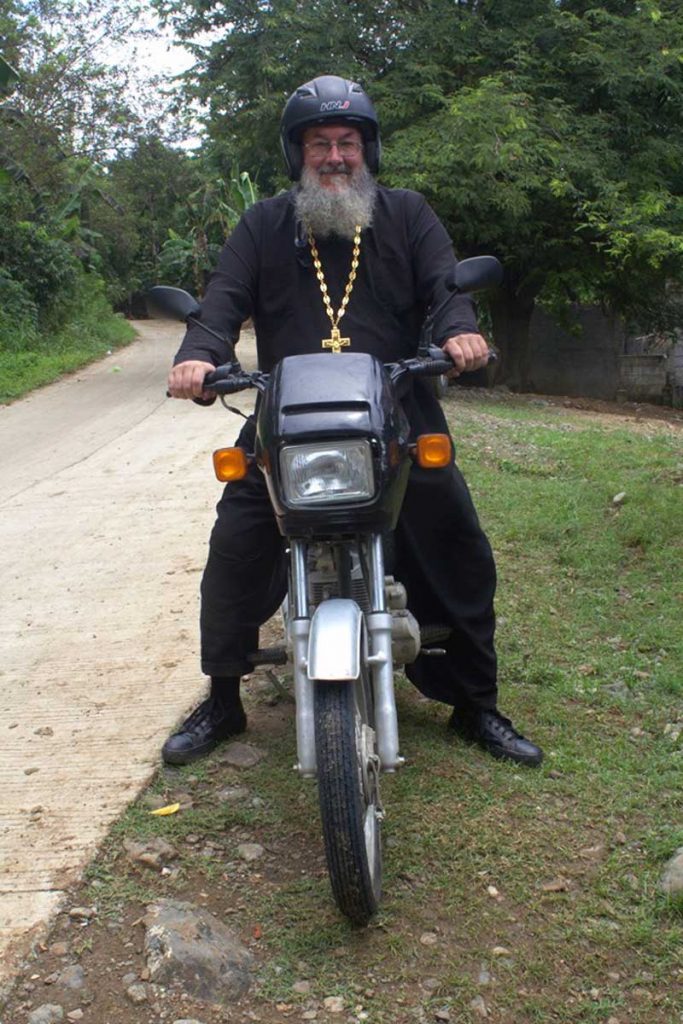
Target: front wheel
(348, 792)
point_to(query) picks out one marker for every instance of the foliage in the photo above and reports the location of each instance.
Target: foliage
(549, 132)
(88, 330)
(211, 213)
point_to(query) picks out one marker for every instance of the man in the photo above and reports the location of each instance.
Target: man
(341, 246)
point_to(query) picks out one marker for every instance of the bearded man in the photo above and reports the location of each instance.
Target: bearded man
(340, 245)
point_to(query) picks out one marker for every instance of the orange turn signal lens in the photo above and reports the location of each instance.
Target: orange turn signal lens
(433, 451)
(230, 464)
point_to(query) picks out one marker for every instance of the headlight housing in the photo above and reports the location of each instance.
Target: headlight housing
(318, 474)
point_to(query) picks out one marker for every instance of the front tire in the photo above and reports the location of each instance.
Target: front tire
(348, 793)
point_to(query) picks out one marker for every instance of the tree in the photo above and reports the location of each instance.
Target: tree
(549, 132)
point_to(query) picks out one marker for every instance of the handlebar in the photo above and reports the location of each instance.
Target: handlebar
(231, 378)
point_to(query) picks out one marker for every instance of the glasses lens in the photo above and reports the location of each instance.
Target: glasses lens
(323, 147)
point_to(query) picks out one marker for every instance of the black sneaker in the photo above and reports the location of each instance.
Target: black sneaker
(202, 731)
(496, 734)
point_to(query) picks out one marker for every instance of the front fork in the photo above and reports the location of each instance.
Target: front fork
(379, 659)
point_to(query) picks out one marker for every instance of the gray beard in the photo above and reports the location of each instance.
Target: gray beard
(326, 212)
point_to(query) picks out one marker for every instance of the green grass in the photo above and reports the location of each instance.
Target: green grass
(589, 641)
(92, 331)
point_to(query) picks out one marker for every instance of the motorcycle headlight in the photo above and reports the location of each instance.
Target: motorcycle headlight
(317, 474)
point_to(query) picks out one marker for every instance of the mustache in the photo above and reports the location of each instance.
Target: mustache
(334, 169)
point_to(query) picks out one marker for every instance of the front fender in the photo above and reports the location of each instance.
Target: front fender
(334, 641)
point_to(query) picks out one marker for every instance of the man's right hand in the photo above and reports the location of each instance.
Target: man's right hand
(186, 380)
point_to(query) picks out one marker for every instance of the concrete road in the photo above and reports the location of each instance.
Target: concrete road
(106, 501)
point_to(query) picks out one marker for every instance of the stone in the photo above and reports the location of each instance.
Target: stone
(672, 879)
(241, 755)
(250, 851)
(154, 854)
(82, 913)
(153, 801)
(59, 948)
(619, 498)
(302, 987)
(442, 1015)
(187, 1020)
(137, 994)
(75, 1015)
(335, 1004)
(479, 1006)
(190, 949)
(428, 939)
(48, 1013)
(72, 977)
(232, 794)
(484, 976)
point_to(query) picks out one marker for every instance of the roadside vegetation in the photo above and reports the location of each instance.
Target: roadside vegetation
(548, 134)
(514, 895)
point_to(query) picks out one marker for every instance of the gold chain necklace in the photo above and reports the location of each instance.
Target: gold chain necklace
(336, 342)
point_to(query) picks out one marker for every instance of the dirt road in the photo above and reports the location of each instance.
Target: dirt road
(106, 499)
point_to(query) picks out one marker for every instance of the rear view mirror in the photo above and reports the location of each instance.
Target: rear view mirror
(476, 273)
(171, 303)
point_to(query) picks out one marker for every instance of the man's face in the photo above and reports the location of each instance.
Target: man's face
(322, 155)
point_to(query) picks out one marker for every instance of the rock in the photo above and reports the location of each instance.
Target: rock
(430, 984)
(442, 1015)
(75, 1015)
(250, 851)
(31, 771)
(82, 913)
(187, 1020)
(673, 730)
(302, 987)
(479, 1006)
(137, 993)
(672, 879)
(44, 730)
(241, 755)
(335, 1004)
(232, 794)
(618, 689)
(59, 948)
(48, 1013)
(501, 951)
(153, 801)
(484, 976)
(129, 979)
(309, 1015)
(619, 498)
(72, 977)
(428, 939)
(190, 949)
(154, 854)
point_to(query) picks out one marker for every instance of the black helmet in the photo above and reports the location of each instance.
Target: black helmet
(328, 99)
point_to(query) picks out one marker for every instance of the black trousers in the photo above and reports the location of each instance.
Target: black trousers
(442, 557)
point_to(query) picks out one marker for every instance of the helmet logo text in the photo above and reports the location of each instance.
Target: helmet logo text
(335, 105)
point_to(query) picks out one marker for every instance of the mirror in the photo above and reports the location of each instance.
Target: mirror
(173, 303)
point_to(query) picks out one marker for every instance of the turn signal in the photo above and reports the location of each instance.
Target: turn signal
(230, 464)
(433, 451)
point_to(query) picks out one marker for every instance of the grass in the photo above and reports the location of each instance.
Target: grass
(545, 880)
(92, 331)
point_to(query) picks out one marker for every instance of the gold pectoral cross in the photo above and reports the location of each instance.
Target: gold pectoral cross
(336, 342)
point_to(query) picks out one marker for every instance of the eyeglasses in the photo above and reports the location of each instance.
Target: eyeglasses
(321, 147)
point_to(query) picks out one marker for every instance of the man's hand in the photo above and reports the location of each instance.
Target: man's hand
(186, 379)
(468, 352)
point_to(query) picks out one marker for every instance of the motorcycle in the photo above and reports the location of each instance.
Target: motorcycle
(335, 451)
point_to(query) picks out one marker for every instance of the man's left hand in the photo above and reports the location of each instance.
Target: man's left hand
(468, 352)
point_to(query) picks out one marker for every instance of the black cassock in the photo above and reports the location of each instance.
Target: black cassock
(442, 555)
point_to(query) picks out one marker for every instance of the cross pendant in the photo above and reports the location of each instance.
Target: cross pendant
(336, 342)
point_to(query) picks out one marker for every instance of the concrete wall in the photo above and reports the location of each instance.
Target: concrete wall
(586, 365)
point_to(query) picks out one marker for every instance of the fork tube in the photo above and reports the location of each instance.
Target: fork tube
(299, 628)
(379, 630)
(377, 597)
